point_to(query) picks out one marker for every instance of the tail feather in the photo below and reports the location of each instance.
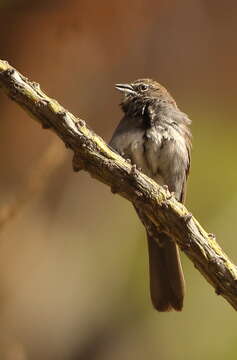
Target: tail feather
(166, 275)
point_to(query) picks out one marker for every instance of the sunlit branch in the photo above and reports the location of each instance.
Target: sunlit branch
(93, 155)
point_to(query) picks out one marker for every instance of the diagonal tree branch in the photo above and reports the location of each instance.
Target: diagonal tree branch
(93, 155)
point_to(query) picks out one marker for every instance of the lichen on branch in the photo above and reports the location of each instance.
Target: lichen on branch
(93, 155)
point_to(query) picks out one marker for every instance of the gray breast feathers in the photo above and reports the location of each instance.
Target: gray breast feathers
(160, 151)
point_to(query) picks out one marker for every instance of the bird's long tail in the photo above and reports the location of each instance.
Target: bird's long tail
(166, 274)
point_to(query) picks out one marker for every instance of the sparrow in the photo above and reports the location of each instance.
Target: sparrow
(154, 134)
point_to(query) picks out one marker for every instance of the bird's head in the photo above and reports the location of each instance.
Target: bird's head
(140, 93)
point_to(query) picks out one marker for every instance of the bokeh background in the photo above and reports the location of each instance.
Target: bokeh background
(73, 257)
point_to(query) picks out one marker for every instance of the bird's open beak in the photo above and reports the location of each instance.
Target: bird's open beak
(126, 88)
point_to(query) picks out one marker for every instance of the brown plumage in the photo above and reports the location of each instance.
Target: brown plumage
(154, 134)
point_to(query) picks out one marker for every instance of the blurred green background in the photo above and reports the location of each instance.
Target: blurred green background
(73, 259)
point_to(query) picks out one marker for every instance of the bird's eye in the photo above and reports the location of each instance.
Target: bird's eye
(143, 87)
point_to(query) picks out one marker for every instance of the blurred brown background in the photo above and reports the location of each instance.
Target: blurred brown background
(73, 261)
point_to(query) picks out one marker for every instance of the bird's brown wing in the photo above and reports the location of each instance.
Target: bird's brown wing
(184, 189)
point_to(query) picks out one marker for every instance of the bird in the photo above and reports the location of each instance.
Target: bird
(154, 134)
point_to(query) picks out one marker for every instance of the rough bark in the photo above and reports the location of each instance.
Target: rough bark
(93, 155)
